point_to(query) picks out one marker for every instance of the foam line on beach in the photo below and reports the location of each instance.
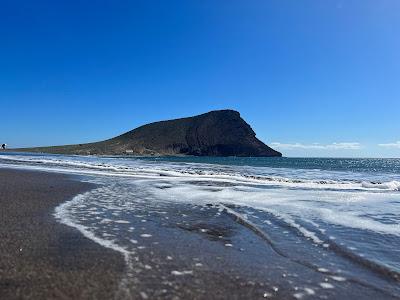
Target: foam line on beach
(64, 216)
(141, 168)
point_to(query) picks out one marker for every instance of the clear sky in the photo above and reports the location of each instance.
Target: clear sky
(313, 78)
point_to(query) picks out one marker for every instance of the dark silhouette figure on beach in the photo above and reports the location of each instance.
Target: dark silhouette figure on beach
(3, 146)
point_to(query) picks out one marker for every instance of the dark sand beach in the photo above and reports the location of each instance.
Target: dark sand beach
(41, 258)
(202, 257)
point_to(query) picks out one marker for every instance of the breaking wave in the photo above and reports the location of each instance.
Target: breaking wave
(276, 177)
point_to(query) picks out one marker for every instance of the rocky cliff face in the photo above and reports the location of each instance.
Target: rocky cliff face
(216, 133)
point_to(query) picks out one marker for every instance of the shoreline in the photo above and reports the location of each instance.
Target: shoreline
(45, 259)
(42, 258)
(187, 252)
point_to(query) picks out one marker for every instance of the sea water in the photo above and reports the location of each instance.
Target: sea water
(340, 217)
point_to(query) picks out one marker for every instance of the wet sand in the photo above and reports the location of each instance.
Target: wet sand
(40, 258)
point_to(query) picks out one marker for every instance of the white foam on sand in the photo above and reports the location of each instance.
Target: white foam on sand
(146, 235)
(346, 209)
(326, 285)
(63, 214)
(287, 200)
(181, 273)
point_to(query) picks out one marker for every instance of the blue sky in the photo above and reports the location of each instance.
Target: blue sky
(313, 78)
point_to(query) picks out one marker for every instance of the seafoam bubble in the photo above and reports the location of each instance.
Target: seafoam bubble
(267, 295)
(121, 222)
(146, 235)
(323, 270)
(338, 278)
(181, 273)
(309, 291)
(326, 285)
